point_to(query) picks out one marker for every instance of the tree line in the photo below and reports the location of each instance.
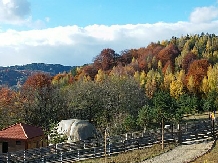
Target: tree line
(136, 89)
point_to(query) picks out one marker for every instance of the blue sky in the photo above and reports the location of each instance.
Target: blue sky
(73, 32)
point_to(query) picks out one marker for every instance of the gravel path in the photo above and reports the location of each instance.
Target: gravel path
(182, 153)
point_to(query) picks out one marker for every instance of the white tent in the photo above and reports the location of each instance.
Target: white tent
(76, 129)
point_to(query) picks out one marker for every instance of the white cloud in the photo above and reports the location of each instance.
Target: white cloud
(73, 45)
(204, 14)
(14, 11)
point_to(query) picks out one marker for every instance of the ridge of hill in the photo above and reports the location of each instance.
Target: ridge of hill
(11, 76)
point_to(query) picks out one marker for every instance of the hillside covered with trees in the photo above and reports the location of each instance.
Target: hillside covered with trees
(133, 90)
(14, 76)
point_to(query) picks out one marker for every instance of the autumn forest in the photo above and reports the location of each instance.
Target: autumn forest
(127, 91)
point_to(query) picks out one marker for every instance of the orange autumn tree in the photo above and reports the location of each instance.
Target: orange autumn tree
(38, 81)
(196, 73)
(147, 56)
(167, 56)
(9, 107)
(187, 60)
(41, 102)
(106, 60)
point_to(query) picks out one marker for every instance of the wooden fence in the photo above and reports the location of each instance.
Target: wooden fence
(187, 133)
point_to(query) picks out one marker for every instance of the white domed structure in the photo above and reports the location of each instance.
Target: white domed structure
(76, 130)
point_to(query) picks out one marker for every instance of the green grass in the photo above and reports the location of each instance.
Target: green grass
(135, 156)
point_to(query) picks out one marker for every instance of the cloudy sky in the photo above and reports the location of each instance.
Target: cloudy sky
(73, 32)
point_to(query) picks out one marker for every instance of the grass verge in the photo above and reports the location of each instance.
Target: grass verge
(210, 157)
(135, 156)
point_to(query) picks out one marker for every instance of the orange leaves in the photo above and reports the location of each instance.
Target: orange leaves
(106, 59)
(168, 55)
(188, 59)
(38, 80)
(196, 72)
(6, 96)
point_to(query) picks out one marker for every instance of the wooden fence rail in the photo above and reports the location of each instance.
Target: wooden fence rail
(186, 134)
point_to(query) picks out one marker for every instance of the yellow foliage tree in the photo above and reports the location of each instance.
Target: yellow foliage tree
(150, 88)
(142, 78)
(153, 81)
(205, 85)
(137, 76)
(159, 64)
(191, 84)
(168, 78)
(212, 76)
(177, 85)
(100, 76)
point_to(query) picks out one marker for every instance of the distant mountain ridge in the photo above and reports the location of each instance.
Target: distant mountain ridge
(11, 76)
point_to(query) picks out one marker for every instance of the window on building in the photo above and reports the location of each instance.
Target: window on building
(18, 142)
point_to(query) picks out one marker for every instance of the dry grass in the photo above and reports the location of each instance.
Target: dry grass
(135, 156)
(210, 157)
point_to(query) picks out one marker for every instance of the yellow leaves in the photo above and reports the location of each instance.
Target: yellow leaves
(134, 60)
(159, 65)
(142, 78)
(150, 88)
(205, 86)
(195, 50)
(164, 42)
(153, 79)
(191, 84)
(212, 78)
(177, 86)
(87, 78)
(137, 76)
(154, 75)
(168, 78)
(100, 76)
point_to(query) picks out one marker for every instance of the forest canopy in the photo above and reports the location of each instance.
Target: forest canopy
(132, 90)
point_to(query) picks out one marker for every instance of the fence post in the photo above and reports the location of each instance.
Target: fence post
(94, 152)
(41, 155)
(124, 147)
(109, 148)
(61, 157)
(138, 143)
(42, 159)
(84, 145)
(8, 155)
(24, 156)
(56, 148)
(78, 155)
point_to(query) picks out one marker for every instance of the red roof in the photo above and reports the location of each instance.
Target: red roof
(20, 131)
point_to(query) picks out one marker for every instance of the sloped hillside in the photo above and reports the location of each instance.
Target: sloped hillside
(14, 75)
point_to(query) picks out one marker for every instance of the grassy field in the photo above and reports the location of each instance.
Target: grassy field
(135, 156)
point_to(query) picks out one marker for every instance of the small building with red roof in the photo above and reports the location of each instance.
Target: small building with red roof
(21, 136)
